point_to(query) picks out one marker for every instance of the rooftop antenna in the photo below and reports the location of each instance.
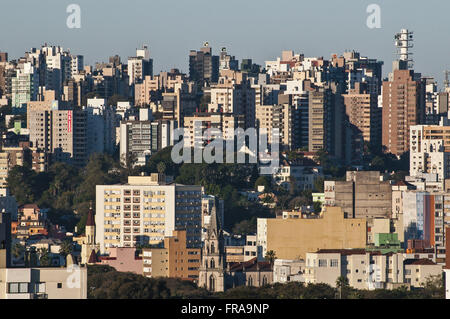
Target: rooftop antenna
(404, 42)
(446, 81)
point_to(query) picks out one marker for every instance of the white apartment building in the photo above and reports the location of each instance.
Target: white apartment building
(100, 128)
(303, 172)
(140, 66)
(286, 270)
(145, 210)
(141, 138)
(429, 150)
(24, 87)
(365, 270)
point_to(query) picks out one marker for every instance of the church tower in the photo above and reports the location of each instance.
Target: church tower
(90, 227)
(88, 247)
(212, 269)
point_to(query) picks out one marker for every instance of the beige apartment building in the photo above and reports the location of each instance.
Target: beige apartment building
(60, 132)
(173, 260)
(269, 117)
(43, 283)
(195, 127)
(292, 238)
(326, 118)
(18, 155)
(362, 195)
(145, 210)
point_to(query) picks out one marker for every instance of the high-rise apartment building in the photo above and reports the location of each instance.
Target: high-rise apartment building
(11, 156)
(402, 108)
(100, 127)
(139, 66)
(227, 62)
(363, 112)
(196, 126)
(139, 139)
(234, 99)
(281, 117)
(59, 131)
(145, 211)
(326, 121)
(24, 87)
(203, 66)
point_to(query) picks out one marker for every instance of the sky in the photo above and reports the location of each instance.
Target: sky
(257, 29)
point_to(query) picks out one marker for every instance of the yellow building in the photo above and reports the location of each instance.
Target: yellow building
(292, 238)
(174, 260)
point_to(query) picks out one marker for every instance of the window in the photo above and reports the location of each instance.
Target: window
(334, 263)
(59, 285)
(322, 262)
(18, 287)
(40, 287)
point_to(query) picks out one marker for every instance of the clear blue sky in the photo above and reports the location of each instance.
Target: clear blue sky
(258, 29)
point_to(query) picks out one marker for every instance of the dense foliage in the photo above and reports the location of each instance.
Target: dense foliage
(66, 190)
(106, 283)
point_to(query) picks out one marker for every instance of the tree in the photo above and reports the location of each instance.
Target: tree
(245, 227)
(434, 287)
(298, 201)
(116, 98)
(317, 207)
(270, 257)
(18, 250)
(66, 248)
(263, 181)
(161, 167)
(319, 185)
(31, 257)
(343, 286)
(44, 257)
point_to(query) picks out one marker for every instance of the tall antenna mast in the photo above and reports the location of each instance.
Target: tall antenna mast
(446, 81)
(404, 42)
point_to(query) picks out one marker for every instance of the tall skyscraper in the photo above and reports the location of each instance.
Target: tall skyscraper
(403, 98)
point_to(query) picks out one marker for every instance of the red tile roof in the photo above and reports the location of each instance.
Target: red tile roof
(251, 265)
(422, 261)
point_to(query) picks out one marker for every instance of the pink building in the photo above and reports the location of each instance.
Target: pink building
(123, 259)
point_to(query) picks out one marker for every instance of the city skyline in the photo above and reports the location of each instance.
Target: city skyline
(244, 36)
